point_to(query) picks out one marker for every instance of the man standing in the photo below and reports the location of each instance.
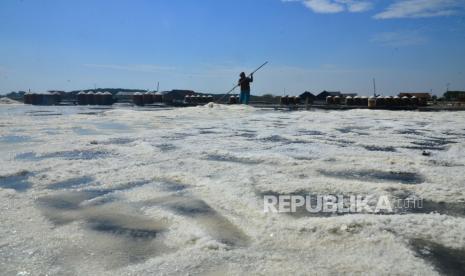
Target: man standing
(244, 82)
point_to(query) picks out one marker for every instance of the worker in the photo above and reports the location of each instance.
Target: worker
(244, 83)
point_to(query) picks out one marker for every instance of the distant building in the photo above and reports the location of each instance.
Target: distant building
(455, 96)
(308, 95)
(17, 96)
(349, 95)
(176, 95)
(419, 95)
(61, 92)
(124, 96)
(324, 94)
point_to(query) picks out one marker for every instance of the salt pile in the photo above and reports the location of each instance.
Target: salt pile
(125, 191)
(5, 100)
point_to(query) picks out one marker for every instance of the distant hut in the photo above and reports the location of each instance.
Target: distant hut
(137, 99)
(323, 95)
(175, 95)
(421, 98)
(307, 96)
(81, 98)
(349, 100)
(107, 98)
(98, 98)
(455, 96)
(148, 98)
(345, 95)
(90, 98)
(28, 98)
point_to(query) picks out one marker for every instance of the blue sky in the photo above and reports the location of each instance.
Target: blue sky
(409, 45)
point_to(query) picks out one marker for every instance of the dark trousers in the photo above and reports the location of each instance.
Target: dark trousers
(244, 97)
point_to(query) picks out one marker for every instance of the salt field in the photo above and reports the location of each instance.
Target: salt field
(118, 191)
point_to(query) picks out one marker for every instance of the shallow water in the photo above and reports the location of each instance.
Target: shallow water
(16, 181)
(448, 261)
(136, 191)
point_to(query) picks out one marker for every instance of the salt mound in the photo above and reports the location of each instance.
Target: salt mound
(211, 104)
(6, 100)
(228, 107)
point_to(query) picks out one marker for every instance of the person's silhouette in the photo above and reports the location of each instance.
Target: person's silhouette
(244, 83)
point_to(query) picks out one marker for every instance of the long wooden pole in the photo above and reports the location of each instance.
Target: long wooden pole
(229, 92)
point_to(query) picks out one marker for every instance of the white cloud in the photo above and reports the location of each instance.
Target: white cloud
(335, 6)
(399, 39)
(359, 6)
(421, 8)
(324, 6)
(396, 9)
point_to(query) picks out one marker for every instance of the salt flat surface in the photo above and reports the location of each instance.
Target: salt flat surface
(126, 191)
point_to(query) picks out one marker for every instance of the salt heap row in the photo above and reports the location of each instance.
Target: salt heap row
(42, 98)
(142, 99)
(91, 98)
